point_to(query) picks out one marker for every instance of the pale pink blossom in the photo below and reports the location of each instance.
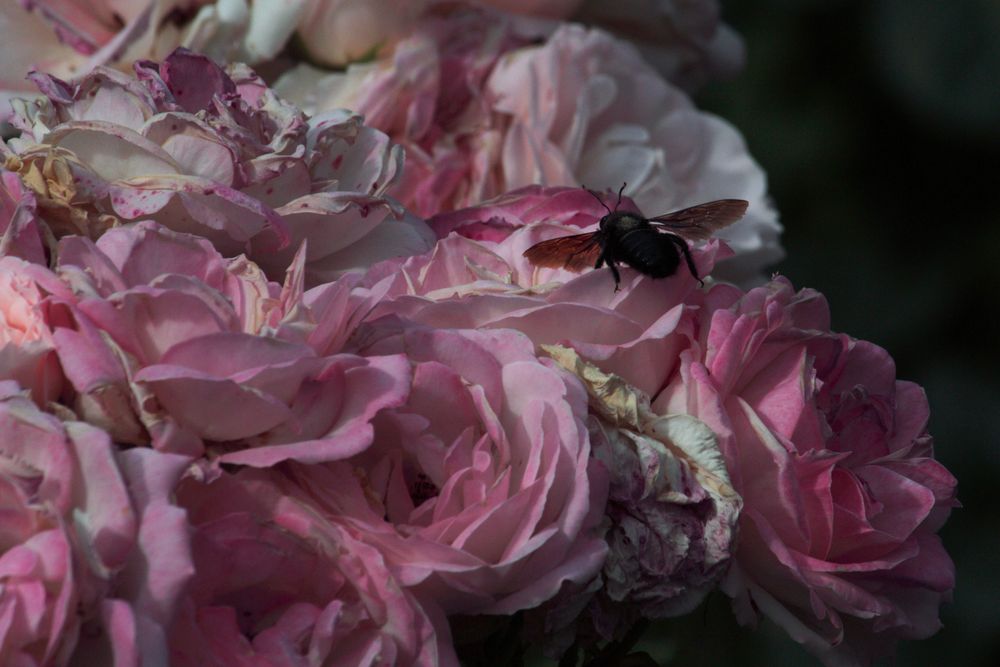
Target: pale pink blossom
(479, 490)
(68, 526)
(604, 118)
(172, 345)
(842, 495)
(216, 153)
(485, 282)
(482, 109)
(27, 320)
(277, 583)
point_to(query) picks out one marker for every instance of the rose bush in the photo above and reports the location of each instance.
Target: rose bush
(214, 153)
(842, 495)
(315, 427)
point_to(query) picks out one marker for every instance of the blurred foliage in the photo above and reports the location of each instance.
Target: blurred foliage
(878, 122)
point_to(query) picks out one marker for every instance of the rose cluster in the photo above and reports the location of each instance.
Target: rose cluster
(270, 396)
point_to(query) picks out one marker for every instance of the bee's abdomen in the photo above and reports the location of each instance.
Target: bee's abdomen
(649, 252)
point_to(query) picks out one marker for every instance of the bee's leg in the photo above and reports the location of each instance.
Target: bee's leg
(604, 259)
(614, 272)
(683, 247)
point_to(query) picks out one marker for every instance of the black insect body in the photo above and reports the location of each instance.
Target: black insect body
(631, 239)
(653, 246)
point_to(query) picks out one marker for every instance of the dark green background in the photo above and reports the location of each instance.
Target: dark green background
(878, 123)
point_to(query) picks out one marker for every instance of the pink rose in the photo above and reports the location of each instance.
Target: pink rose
(483, 108)
(842, 495)
(609, 119)
(215, 153)
(161, 353)
(276, 583)
(479, 490)
(427, 93)
(27, 318)
(488, 283)
(68, 524)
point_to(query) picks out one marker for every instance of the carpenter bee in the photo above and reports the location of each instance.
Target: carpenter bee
(653, 246)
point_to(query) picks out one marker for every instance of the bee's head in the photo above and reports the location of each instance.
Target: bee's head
(612, 215)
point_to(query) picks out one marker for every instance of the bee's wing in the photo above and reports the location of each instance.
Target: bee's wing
(576, 252)
(698, 223)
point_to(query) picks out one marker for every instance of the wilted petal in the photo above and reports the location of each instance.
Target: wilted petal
(672, 508)
(227, 217)
(20, 231)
